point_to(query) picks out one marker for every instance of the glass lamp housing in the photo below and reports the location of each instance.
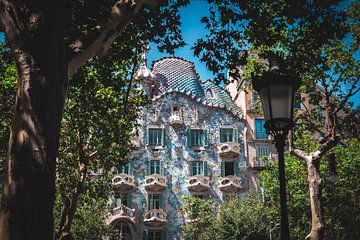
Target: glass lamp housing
(277, 91)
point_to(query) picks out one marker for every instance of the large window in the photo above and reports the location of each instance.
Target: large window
(197, 138)
(156, 167)
(124, 169)
(123, 199)
(229, 168)
(262, 152)
(198, 168)
(155, 201)
(229, 135)
(155, 137)
(154, 235)
(260, 131)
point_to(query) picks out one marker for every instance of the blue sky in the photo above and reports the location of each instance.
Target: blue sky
(192, 29)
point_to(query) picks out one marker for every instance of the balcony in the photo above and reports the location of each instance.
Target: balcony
(229, 149)
(155, 218)
(155, 183)
(123, 182)
(176, 118)
(230, 184)
(259, 163)
(121, 214)
(198, 183)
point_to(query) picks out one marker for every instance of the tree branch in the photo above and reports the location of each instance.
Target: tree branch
(324, 148)
(99, 42)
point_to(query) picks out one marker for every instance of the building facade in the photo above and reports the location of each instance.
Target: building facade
(259, 146)
(191, 142)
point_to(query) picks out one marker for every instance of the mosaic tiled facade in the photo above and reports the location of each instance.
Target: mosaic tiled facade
(190, 143)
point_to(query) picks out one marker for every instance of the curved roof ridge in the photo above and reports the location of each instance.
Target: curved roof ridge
(179, 58)
(178, 75)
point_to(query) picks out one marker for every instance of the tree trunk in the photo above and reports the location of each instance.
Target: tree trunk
(317, 221)
(35, 31)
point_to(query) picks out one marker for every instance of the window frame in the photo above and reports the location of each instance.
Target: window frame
(154, 168)
(263, 133)
(149, 141)
(202, 165)
(154, 203)
(257, 149)
(202, 138)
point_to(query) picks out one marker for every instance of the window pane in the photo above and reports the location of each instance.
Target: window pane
(154, 167)
(262, 151)
(197, 168)
(121, 199)
(125, 169)
(196, 137)
(154, 201)
(155, 136)
(226, 135)
(154, 235)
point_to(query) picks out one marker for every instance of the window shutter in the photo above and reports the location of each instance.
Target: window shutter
(221, 136)
(147, 137)
(151, 201)
(131, 166)
(160, 201)
(236, 168)
(205, 138)
(145, 235)
(189, 137)
(164, 233)
(235, 135)
(222, 166)
(190, 169)
(163, 137)
(129, 199)
(162, 168)
(147, 168)
(205, 170)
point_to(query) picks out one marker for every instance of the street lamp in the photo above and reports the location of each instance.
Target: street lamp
(277, 90)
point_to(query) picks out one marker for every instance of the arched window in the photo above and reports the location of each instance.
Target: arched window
(210, 93)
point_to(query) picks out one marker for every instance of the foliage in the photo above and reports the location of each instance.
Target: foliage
(295, 29)
(7, 94)
(341, 200)
(198, 219)
(99, 120)
(89, 221)
(239, 217)
(244, 218)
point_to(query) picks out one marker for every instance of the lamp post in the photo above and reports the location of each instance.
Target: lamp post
(277, 90)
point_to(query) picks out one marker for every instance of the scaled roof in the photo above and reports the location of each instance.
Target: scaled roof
(177, 75)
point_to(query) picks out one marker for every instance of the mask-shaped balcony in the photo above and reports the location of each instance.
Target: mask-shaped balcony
(121, 214)
(155, 218)
(198, 183)
(176, 118)
(123, 182)
(155, 183)
(230, 184)
(229, 149)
